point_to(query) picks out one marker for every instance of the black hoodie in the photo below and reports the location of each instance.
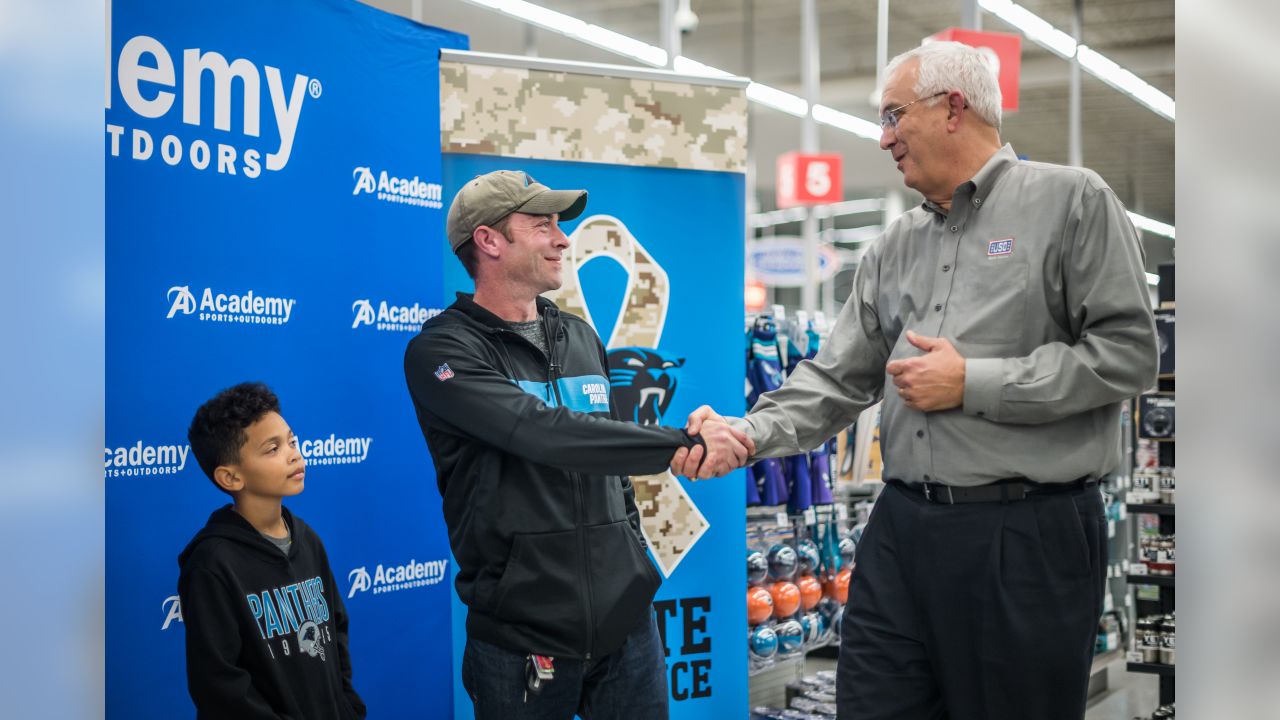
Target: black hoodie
(532, 469)
(266, 633)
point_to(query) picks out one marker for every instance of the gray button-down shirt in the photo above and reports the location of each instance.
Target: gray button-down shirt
(1036, 276)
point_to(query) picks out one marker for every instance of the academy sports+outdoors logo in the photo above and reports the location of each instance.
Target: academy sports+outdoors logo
(141, 459)
(147, 78)
(250, 308)
(392, 578)
(390, 318)
(172, 607)
(334, 450)
(389, 188)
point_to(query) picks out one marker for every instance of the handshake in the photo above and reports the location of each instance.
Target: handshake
(726, 449)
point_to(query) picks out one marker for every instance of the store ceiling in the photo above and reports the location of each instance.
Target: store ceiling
(1126, 143)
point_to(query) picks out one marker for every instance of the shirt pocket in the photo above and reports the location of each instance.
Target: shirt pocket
(989, 302)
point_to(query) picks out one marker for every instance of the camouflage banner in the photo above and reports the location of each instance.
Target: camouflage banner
(670, 520)
(547, 115)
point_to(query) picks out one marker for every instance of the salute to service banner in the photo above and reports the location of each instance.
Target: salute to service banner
(656, 266)
(274, 213)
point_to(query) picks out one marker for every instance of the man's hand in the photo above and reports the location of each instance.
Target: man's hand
(931, 382)
(726, 449)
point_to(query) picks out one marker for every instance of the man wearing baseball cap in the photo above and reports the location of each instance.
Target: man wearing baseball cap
(533, 467)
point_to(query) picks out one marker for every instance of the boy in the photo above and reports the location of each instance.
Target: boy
(266, 628)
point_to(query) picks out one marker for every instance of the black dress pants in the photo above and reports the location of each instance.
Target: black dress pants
(982, 611)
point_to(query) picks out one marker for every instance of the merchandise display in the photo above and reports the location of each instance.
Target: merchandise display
(810, 591)
(1156, 555)
(783, 562)
(757, 567)
(1110, 632)
(759, 605)
(797, 583)
(790, 637)
(763, 642)
(1153, 485)
(799, 481)
(807, 554)
(1152, 571)
(811, 698)
(1164, 330)
(786, 599)
(1156, 416)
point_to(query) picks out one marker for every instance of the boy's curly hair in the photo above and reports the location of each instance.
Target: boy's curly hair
(217, 431)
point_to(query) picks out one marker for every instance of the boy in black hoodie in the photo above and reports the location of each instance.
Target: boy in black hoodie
(266, 628)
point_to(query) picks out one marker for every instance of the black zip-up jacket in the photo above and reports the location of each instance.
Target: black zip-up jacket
(534, 476)
(266, 633)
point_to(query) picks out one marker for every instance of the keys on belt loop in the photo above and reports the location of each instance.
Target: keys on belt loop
(538, 670)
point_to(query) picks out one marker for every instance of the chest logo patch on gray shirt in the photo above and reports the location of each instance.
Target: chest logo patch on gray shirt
(999, 248)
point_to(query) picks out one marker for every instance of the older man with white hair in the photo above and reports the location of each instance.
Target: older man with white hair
(1003, 322)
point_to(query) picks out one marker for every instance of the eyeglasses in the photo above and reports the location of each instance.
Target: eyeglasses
(889, 119)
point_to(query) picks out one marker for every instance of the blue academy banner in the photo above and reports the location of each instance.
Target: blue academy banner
(686, 227)
(273, 213)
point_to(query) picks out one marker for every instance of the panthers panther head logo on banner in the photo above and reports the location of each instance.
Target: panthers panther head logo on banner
(643, 382)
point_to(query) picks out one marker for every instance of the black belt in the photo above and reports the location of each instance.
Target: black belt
(1010, 490)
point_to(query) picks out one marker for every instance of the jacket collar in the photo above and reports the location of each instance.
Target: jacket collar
(466, 304)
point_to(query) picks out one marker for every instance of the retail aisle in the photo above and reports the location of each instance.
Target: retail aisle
(1131, 695)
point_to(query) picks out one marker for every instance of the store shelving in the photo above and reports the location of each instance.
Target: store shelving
(1160, 580)
(1152, 668)
(1151, 508)
(1164, 603)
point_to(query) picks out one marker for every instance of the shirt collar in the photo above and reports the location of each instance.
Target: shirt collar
(986, 179)
(983, 181)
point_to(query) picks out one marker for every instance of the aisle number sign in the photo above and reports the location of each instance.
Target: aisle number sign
(808, 179)
(1003, 51)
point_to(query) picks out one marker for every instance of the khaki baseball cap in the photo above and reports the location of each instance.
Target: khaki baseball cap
(488, 198)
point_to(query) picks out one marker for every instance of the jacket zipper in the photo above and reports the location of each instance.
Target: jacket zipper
(552, 380)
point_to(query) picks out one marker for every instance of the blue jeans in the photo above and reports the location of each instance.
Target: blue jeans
(630, 682)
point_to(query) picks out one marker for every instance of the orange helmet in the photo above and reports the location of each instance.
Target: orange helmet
(837, 588)
(759, 605)
(786, 599)
(810, 591)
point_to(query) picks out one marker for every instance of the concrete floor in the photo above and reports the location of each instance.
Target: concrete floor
(1129, 695)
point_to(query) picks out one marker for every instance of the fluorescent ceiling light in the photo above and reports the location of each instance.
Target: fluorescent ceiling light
(610, 40)
(1126, 82)
(536, 14)
(777, 99)
(686, 66)
(845, 121)
(1143, 222)
(573, 27)
(1033, 26)
(1038, 30)
(1153, 279)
